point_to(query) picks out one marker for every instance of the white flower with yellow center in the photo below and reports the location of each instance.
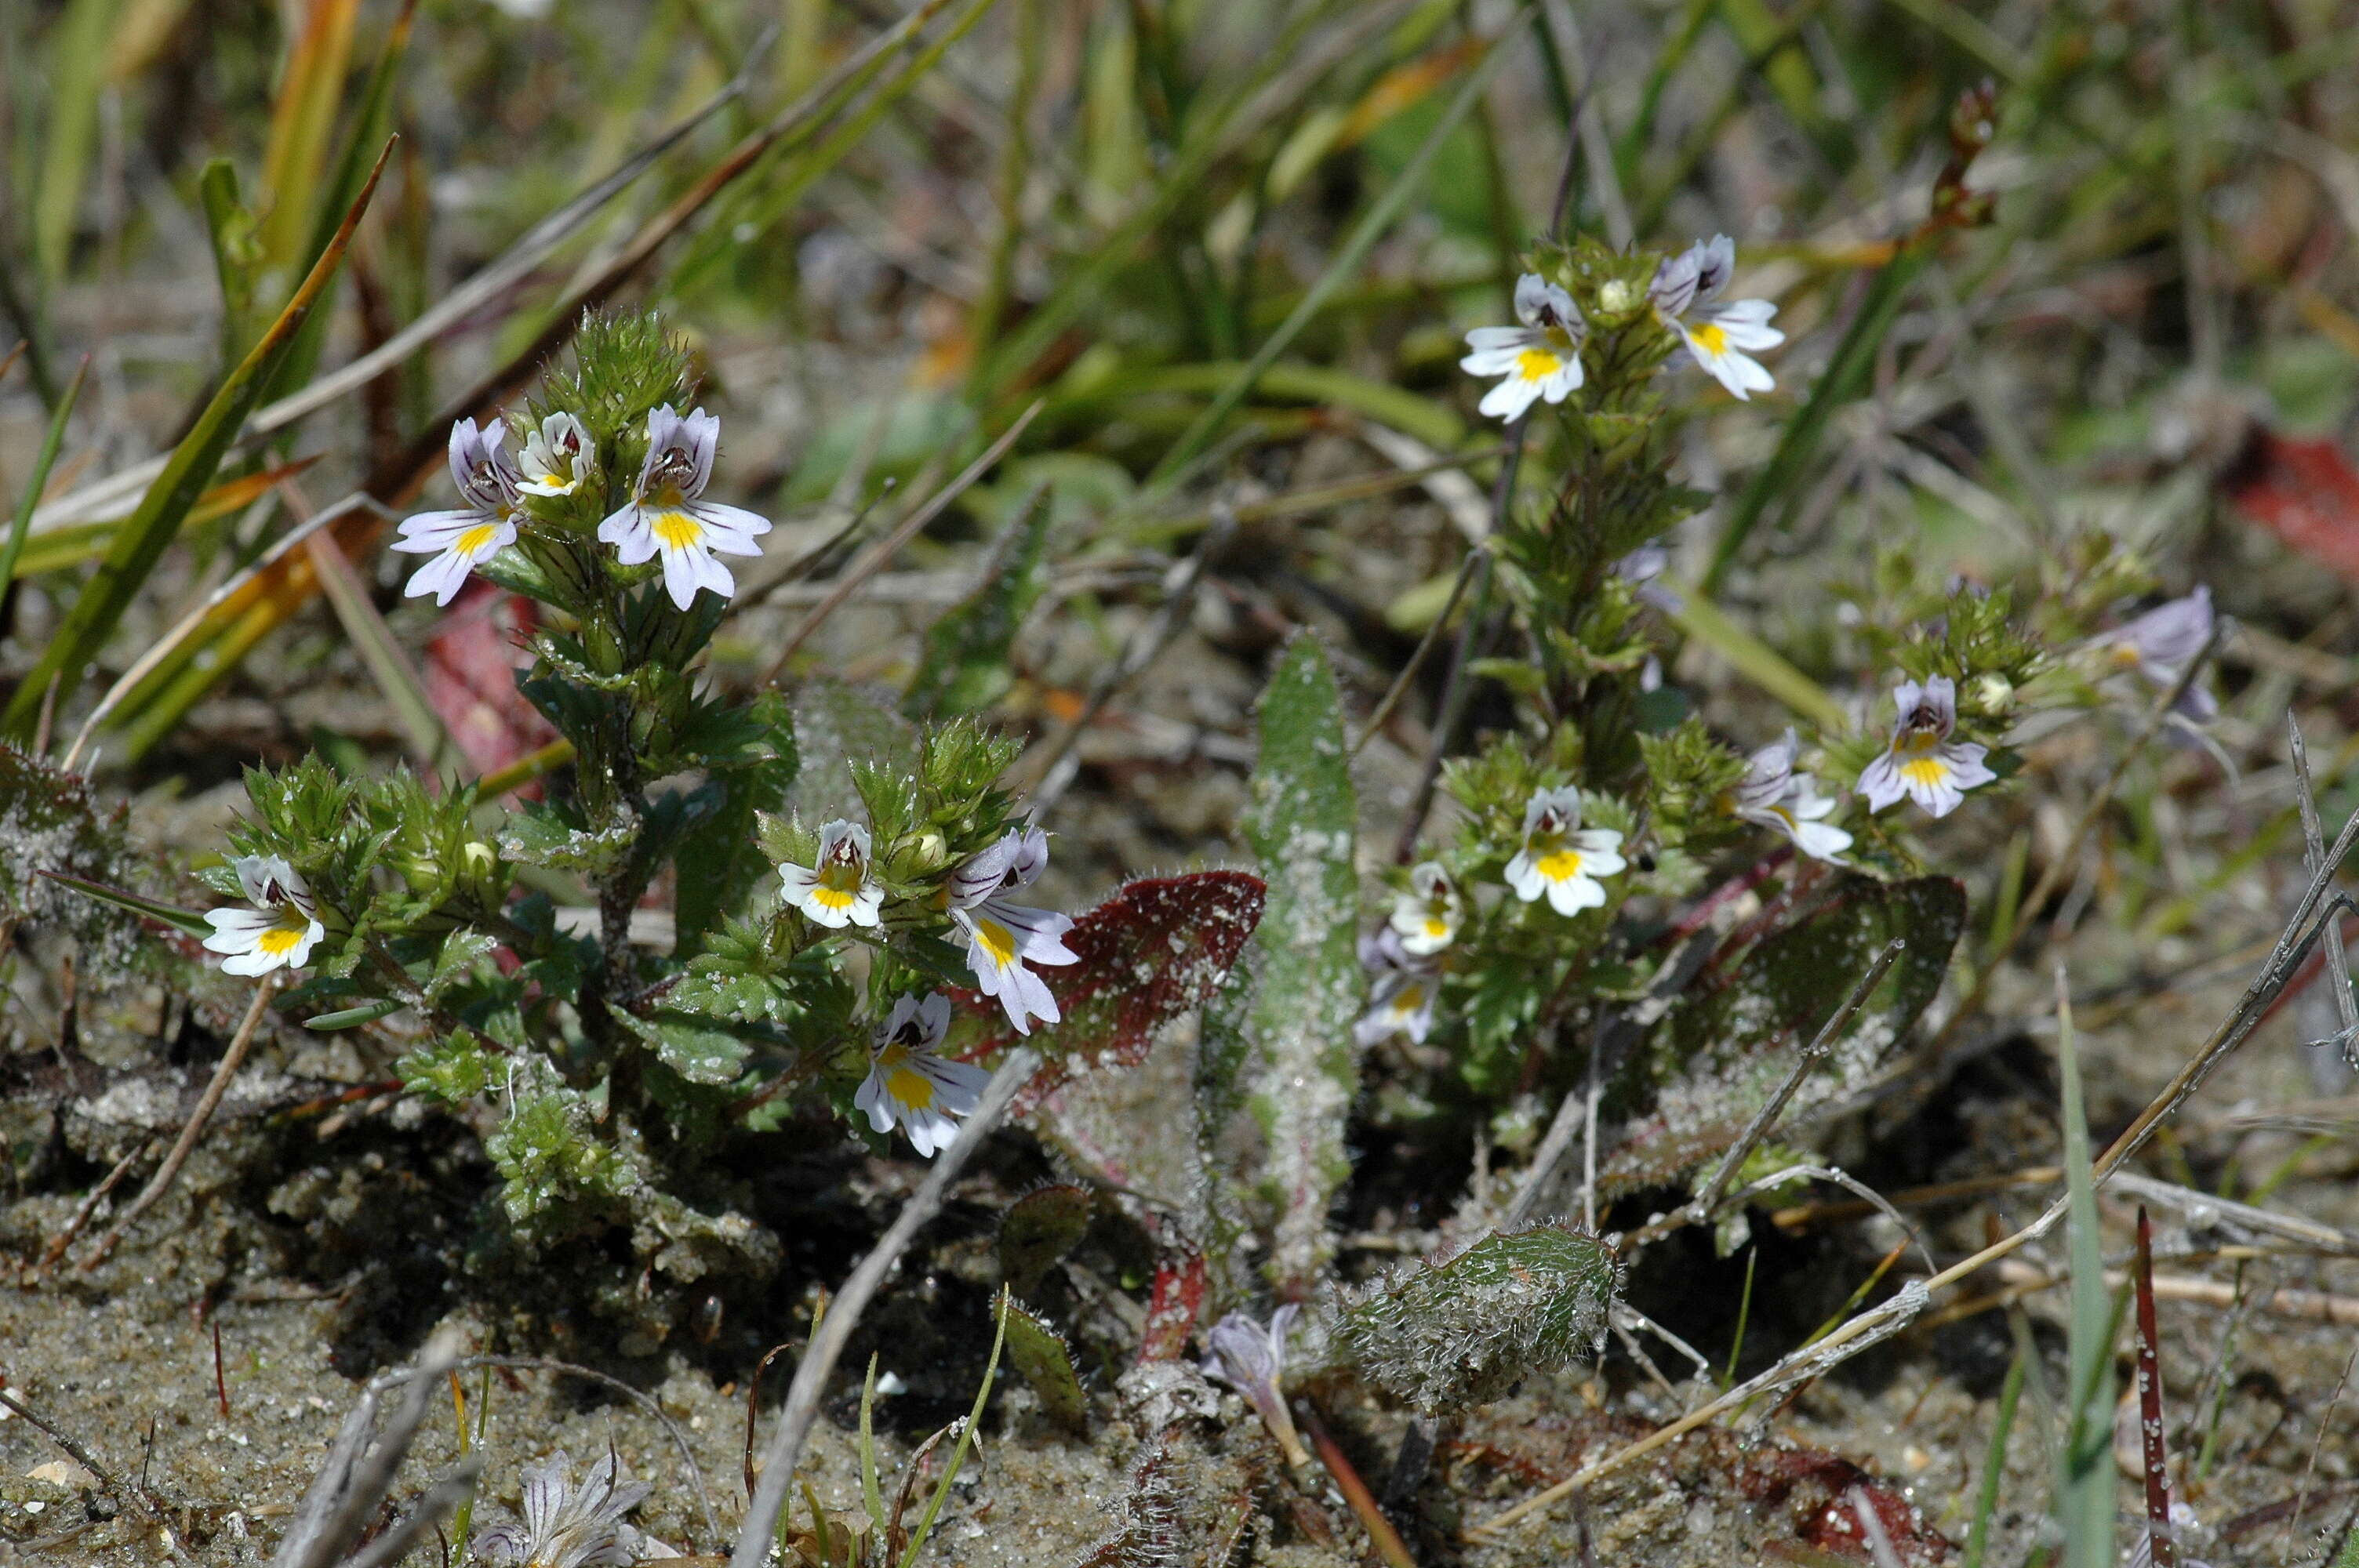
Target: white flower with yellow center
(1402, 994)
(1777, 797)
(841, 889)
(278, 932)
(909, 1086)
(666, 518)
(1004, 937)
(1561, 858)
(460, 541)
(1427, 916)
(1685, 291)
(2159, 645)
(1539, 358)
(1923, 763)
(558, 456)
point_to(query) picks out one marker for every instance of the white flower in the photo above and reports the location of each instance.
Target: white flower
(1775, 796)
(1685, 289)
(1401, 996)
(911, 1087)
(1427, 915)
(2159, 645)
(1558, 858)
(278, 932)
(460, 541)
(666, 518)
(1923, 763)
(558, 456)
(1002, 936)
(841, 889)
(1541, 359)
(565, 1526)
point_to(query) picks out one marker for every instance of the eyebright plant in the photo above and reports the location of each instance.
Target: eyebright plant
(1609, 801)
(815, 968)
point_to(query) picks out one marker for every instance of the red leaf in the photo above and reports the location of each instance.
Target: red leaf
(2306, 492)
(1818, 1492)
(1172, 1310)
(1155, 949)
(471, 666)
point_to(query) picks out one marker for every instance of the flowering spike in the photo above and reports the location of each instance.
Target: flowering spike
(1777, 797)
(841, 889)
(1559, 858)
(1002, 936)
(1685, 290)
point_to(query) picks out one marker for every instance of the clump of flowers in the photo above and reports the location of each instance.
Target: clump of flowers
(817, 956)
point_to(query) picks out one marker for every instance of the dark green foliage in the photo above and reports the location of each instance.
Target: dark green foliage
(1443, 1336)
(1038, 1229)
(965, 667)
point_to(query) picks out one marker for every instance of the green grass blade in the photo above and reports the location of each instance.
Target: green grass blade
(2085, 1477)
(18, 526)
(1344, 264)
(372, 124)
(1995, 1464)
(965, 1439)
(1757, 662)
(77, 63)
(179, 919)
(140, 541)
(1844, 379)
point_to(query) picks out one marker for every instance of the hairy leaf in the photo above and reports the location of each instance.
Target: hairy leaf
(1302, 1065)
(1446, 1335)
(1040, 1227)
(1039, 1353)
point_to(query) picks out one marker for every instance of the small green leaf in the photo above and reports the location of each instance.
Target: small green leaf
(543, 834)
(455, 1071)
(697, 1048)
(354, 1017)
(1040, 1227)
(1039, 1353)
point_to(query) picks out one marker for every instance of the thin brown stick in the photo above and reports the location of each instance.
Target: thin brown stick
(755, 1530)
(161, 1182)
(64, 1239)
(82, 1456)
(1381, 1534)
(890, 546)
(1476, 558)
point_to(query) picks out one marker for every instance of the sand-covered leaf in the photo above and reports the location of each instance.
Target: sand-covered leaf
(1722, 1050)
(836, 725)
(1445, 1336)
(1299, 1066)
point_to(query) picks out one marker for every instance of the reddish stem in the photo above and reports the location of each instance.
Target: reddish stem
(1381, 1533)
(2165, 1551)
